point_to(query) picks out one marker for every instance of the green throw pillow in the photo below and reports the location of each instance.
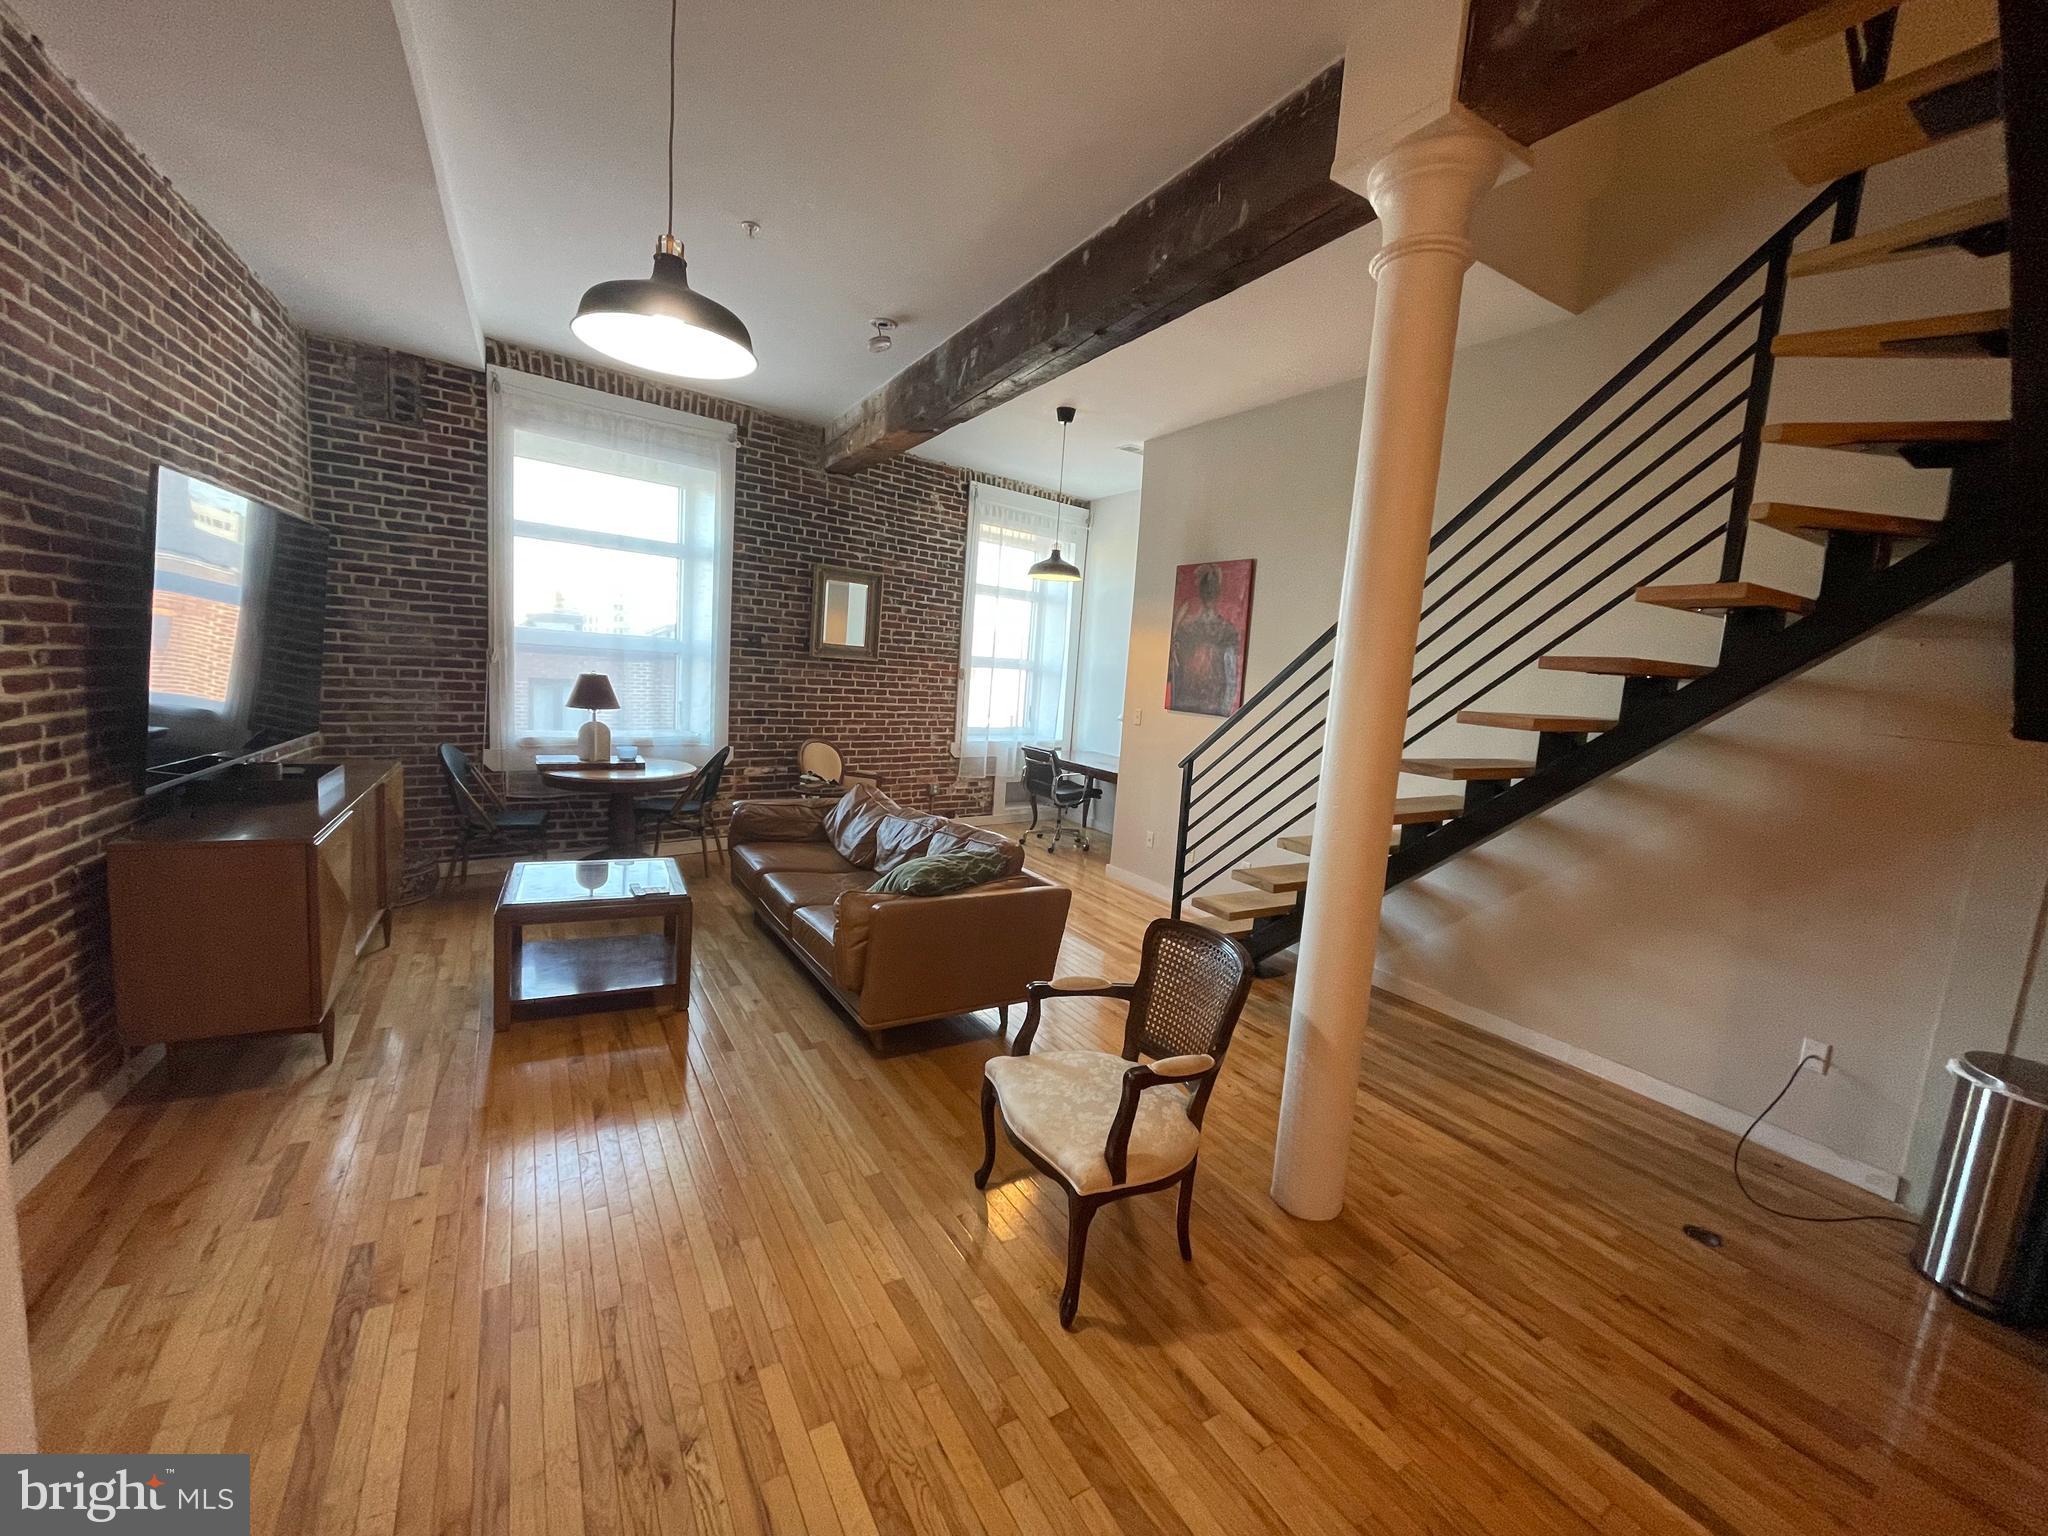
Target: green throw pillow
(939, 874)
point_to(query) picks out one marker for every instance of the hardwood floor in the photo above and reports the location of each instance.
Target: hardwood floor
(629, 1273)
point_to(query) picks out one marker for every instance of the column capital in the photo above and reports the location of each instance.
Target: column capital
(1424, 188)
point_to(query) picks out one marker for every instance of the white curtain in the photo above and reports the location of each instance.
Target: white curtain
(611, 552)
(1018, 636)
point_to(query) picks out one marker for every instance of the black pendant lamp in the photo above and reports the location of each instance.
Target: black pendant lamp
(661, 323)
(1052, 567)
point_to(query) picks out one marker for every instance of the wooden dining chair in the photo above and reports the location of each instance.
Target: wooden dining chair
(687, 813)
(1105, 1127)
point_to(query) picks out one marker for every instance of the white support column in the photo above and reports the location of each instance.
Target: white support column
(1424, 190)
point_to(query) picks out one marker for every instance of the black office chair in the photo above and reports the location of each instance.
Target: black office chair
(484, 823)
(689, 811)
(1045, 780)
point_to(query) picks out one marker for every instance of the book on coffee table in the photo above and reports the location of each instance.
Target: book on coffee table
(571, 760)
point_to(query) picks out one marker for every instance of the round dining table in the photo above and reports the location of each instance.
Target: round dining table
(621, 787)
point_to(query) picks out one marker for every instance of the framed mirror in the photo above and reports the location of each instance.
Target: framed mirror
(846, 611)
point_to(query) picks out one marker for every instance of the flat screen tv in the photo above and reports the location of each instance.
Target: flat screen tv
(237, 622)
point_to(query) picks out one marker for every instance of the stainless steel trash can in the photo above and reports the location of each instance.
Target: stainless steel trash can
(1984, 1238)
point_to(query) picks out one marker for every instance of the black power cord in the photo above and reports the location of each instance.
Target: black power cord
(1904, 1221)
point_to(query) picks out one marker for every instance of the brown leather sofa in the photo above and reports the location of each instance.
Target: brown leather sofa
(806, 866)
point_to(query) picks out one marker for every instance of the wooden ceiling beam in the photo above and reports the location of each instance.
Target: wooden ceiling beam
(1533, 67)
(1251, 205)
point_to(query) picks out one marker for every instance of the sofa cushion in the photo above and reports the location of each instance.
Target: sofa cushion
(955, 835)
(1061, 1105)
(854, 823)
(941, 874)
(750, 861)
(784, 890)
(901, 837)
(814, 929)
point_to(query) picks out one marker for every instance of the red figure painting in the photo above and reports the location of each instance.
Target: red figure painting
(1212, 619)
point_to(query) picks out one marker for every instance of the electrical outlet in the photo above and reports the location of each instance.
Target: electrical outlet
(1820, 1048)
(1151, 838)
(1137, 717)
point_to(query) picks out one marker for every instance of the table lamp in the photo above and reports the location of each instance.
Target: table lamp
(593, 691)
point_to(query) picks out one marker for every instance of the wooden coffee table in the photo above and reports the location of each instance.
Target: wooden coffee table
(577, 975)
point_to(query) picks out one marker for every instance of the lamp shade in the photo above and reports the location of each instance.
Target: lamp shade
(593, 690)
(662, 324)
(1054, 568)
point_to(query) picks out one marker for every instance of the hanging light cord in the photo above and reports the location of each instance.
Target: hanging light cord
(673, 7)
(1059, 511)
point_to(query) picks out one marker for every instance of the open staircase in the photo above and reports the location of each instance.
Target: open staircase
(1652, 472)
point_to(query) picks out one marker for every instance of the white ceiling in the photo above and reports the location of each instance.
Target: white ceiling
(297, 134)
(422, 173)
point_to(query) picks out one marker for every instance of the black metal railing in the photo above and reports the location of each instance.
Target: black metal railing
(1656, 467)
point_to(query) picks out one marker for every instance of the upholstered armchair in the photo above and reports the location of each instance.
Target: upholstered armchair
(1105, 1127)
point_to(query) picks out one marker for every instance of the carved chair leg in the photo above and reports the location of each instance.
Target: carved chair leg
(988, 1134)
(1080, 1212)
(1187, 1206)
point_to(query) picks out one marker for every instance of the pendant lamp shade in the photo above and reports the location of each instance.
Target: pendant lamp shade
(660, 323)
(1053, 567)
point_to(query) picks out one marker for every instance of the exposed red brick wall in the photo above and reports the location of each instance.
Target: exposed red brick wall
(129, 333)
(408, 576)
(407, 622)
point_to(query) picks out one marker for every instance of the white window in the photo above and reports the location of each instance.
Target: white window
(1018, 638)
(611, 552)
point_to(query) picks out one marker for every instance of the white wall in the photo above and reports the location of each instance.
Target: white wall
(1106, 623)
(1272, 485)
(1858, 856)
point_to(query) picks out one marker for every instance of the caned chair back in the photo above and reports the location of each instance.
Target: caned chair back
(1041, 771)
(819, 759)
(1192, 985)
(459, 777)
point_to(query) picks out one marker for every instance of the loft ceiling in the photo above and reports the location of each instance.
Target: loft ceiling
(421, 173)
(901, 158)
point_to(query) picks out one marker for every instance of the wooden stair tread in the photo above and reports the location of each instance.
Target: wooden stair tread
(1508, 720)
(1242, 906)
(1297, 842)
(1420, 810)
(1273, 877)
(1924, 107)
(1978, 227)
(1884, 436)
(1827, 23)
(1465, 769)
(1723, 597)
(1235, 927)
(1977, 333)
(1623, 666)
(1816, 523)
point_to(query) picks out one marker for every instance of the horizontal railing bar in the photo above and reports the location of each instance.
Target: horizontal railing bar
(1217, 874)
(1748, 352)
(1328, 636)
(1227, 761)
(1285, 758)
(1255, 835)
(1693, 511)
(1598, 507)
(1287, 762)
(1559, 639)
(1252, 762)
(1310, 763)
(1747, 268)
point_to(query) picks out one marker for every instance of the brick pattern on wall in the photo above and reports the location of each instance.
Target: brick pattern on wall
(407, 621)
(129, 333)
(408, 575)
